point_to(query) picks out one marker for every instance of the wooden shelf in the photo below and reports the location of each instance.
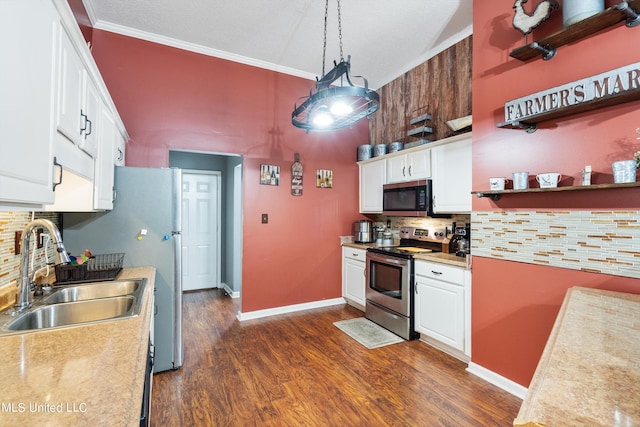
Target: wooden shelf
(497, 194)
(546, 46)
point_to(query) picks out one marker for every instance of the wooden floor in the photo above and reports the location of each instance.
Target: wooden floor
(300, 370)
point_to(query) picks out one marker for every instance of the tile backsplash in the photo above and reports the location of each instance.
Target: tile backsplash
(10, 222)
(596, 241)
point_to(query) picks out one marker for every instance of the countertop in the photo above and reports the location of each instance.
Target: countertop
(89, 375)
(440, 257)
(589, 372)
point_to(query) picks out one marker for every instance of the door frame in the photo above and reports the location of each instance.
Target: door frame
(218, 225)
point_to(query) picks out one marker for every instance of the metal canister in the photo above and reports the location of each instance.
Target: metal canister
(365, 152)
(395, 146)
(379, 150)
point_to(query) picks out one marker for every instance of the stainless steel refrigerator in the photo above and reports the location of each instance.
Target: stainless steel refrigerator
(145, 224)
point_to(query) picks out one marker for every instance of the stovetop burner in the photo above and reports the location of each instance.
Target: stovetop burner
(414, 241)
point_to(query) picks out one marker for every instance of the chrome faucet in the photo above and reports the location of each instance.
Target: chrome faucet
(24, 283)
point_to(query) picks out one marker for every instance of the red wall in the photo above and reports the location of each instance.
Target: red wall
(514, 304)
(171, 98)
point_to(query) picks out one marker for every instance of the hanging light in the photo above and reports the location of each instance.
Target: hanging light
(337, 102)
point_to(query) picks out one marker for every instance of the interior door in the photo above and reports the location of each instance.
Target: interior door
(201, 230)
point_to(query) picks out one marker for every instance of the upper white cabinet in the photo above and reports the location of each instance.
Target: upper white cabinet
(451, 175)
(52, 104)
(410, 166)
(27, 89)
(372, 178)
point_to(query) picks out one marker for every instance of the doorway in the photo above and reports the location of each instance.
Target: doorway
(201, 207)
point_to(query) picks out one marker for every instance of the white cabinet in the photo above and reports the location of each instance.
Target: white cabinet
(372, 178)
(52, 104)
(29, 53)
(410, 166)
(108, 136)
(78, 99)
(353, 276)
(442, 306)
(452, 175)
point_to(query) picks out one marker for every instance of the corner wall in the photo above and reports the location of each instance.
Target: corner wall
(515, 302)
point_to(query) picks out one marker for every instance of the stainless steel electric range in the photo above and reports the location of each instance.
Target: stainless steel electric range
(390, 279)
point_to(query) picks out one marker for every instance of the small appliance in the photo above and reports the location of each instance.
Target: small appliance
(413, 198)
(460, 243)
(364, 232)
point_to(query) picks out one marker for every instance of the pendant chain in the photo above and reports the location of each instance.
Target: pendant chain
(324, 47)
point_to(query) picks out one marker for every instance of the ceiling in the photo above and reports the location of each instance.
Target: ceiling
(385, 38)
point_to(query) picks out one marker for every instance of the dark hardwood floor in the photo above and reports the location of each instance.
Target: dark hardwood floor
(300, 370)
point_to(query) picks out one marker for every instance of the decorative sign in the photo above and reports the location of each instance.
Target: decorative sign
(618, 83)
(324, 178)
(269, 175)
(296, 176)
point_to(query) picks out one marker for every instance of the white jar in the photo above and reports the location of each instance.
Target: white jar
(576, 10)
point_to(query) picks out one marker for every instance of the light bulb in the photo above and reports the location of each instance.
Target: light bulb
(322, 118)
(340, 108)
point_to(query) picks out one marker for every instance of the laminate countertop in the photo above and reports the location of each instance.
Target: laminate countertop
(441, 257)
(89, 375)
(589, 372)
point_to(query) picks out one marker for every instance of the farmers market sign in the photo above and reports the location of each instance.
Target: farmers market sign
(609, 88)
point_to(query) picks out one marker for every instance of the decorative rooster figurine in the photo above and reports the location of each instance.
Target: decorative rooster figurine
(524, 22)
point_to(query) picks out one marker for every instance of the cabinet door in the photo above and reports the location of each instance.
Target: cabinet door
(397, 169)
(440, 311)
(70, 92)
(91, 109)
(372, 178)
(29, 52)
(353, 275)
(452, 177)
(419, 164)
(104, 167)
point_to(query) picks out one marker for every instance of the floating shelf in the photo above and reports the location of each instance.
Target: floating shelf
(497, 194)
(546, 46)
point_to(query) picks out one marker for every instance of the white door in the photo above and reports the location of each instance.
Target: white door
(200, 230)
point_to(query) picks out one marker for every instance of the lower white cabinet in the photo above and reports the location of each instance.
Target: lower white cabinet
(442, 306)
(353, 276)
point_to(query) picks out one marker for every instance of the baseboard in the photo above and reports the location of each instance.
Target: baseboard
(289, 309)
(497, 380)
(229, 291)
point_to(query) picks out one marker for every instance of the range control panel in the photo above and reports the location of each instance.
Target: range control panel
(426, 234)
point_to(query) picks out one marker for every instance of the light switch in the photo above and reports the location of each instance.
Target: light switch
(265, 218)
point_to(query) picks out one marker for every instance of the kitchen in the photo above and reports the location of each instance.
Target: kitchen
(505, 317)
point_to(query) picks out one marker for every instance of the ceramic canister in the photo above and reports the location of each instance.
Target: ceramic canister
(576, 10)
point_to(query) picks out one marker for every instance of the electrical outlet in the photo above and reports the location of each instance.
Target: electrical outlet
(39, 238)
(265, 218)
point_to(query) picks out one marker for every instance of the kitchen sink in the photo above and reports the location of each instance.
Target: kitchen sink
(95, 290)
(74, 313)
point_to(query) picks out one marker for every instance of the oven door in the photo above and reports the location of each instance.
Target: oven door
(388, 282)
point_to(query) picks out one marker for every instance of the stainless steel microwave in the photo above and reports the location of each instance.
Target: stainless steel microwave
(412, 198)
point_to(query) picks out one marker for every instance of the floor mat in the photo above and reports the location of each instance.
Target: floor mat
(367, 333)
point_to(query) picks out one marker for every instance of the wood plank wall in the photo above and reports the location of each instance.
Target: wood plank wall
(441, 86)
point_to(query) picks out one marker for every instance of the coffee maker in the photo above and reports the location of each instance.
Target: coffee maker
(460, 242)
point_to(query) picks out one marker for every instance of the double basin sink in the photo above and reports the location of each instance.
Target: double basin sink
(77, 304)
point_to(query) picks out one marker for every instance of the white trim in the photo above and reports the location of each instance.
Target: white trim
(497, 380)
(192, 47)
(289, 309)
(230, 291)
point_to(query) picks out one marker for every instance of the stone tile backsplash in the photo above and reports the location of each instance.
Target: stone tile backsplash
(10, 222)
(596, 241)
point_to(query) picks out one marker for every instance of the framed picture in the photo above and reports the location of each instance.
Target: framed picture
(269, 175)
(324, 178)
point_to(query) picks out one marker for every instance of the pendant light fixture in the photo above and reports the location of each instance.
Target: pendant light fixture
(337, 102)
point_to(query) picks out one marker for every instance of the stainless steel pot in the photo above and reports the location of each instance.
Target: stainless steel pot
(364, 232)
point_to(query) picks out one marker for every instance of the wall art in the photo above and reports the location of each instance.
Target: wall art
(269, 175)
(324, 178)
